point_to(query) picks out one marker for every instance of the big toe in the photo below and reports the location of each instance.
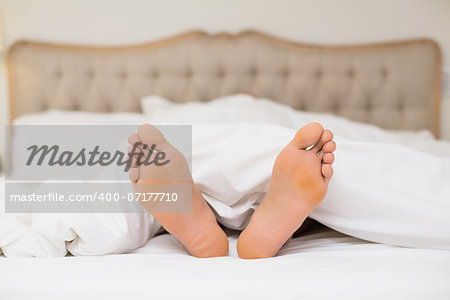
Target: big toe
(307, 135)
(150, 135)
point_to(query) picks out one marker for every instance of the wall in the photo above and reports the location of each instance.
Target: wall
(105, 22)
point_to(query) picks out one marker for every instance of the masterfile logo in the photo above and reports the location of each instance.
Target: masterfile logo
(86, 169)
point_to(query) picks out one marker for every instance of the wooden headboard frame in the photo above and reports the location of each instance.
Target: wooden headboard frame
(395, 85)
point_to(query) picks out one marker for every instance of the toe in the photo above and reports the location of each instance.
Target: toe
(327, 171)
(329, 147)
(134, 155)
(133, 139)
(134, 174)
(150, 135)
(307, 135)
(327, 136)
(328, 158)
(134, 152)
(136, 161)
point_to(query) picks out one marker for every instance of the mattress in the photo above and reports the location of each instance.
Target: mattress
(321, 264)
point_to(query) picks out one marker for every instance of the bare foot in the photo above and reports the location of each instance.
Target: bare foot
(198, 230)
(299, 183)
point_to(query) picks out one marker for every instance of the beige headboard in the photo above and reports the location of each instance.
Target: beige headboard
(394, 85)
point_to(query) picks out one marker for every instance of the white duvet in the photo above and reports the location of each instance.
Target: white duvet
(388, 187)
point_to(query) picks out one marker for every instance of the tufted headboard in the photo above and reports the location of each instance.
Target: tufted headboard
(395, 85)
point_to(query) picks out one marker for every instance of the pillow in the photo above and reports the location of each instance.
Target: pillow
(244, 108)
(231, 109)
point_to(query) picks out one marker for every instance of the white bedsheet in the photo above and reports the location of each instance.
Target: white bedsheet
(323, 265)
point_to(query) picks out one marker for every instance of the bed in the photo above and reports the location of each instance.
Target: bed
(393, 85)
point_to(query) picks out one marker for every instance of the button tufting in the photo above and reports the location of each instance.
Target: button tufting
(123, 74)
(253, 72)
(318, 73)
(108, 107)
(335, 106)
(285, 73)
(189, 73)
(368, 104)
(58, 74)
(90, 73)
(384, 72)
(351, 73)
